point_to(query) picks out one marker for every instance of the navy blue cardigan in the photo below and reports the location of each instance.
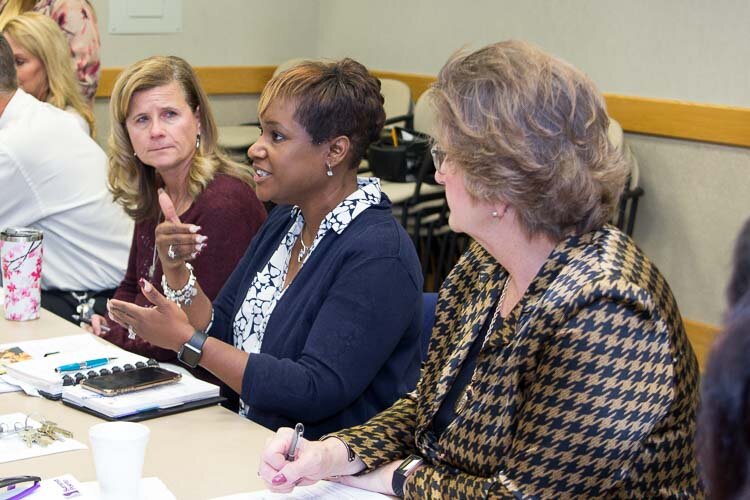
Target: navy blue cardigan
(342, 344)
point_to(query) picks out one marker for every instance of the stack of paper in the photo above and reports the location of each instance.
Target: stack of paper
(40, 373)
(187, 390)
(321, 489)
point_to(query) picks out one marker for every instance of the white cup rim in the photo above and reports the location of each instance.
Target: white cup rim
(119, 431)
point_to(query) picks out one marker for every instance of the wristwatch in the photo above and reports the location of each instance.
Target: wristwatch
(192, 350)
(403, 471)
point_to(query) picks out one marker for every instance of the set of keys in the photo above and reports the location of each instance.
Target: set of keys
(44, 435)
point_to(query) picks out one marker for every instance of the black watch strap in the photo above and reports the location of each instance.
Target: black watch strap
(406, 469)
(192, 350)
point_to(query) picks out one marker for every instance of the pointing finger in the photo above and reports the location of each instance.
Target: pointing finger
(167, 207)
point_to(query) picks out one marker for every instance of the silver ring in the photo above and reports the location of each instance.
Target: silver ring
(131, 332)
(170, 252)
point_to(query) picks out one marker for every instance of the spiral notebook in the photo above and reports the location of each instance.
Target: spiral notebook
(39, 372)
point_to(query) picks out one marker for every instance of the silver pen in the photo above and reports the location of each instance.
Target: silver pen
(291, 454)
(82, 319)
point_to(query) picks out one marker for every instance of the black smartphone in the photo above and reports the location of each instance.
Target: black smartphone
(130, 381)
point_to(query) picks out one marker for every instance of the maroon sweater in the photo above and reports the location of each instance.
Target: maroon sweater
(230, 214)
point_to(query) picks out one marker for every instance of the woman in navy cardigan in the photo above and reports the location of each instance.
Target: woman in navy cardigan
(320, 321)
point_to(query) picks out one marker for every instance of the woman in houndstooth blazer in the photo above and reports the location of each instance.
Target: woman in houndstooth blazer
(558, 365)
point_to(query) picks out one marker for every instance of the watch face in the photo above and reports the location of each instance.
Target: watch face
(189, 355)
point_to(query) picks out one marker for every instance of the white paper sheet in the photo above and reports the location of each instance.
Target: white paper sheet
(13, 448)
(65, 487)
(151, 487)
(321, 489)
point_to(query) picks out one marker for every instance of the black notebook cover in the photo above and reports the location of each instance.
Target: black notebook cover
(153, 413)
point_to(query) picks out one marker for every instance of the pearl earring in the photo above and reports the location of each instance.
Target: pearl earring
(494, 214)
(329, 171)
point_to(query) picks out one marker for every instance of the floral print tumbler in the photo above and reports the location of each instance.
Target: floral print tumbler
(21, 259)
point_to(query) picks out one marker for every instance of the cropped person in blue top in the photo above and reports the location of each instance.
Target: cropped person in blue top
(320, 321)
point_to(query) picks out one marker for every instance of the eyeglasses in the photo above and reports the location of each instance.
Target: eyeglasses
(438, 157)
(13, 488)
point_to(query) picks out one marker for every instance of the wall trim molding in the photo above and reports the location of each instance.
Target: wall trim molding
(663, 117)
(702, 337)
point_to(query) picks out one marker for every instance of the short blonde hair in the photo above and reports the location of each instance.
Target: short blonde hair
(333, 99)
(133, 184)
(530, 130)
(44, 39)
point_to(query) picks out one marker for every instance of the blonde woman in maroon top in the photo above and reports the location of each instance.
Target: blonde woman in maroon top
(164, 137)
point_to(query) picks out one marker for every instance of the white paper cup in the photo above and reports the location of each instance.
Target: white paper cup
(119, 449)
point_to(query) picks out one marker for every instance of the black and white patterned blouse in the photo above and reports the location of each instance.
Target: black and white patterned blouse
(267, 287)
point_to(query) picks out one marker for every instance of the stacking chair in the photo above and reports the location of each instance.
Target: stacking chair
(397, 102)
(624, 217)
(425, 213)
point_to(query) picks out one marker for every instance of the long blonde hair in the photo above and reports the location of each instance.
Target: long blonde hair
(14, 8)
(133, 184)
(44, 39)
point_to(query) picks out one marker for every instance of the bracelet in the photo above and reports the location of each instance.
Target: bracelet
(183, 296)
(350, 454)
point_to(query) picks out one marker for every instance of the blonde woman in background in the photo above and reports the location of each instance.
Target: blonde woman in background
(44, 67)
(77, 20)
(164, 138)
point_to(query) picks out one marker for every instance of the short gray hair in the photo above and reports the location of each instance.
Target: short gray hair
(530, 130)
(8, 80)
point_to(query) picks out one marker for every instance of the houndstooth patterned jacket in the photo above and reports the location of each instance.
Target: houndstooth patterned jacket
(587, 389)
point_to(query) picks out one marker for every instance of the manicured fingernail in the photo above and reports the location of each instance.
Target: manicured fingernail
(193, 255)
(201, 238)
(161, 190)
(107, 304)
(278, 479)
(146, 285)
(194, 228)
(141, 281)
(199, 247)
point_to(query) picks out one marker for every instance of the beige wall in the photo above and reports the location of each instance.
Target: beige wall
(696, 194)
(696, 50)
(218, 33)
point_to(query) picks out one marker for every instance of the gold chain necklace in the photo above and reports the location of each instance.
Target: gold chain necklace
(467, 392)
(499, 306)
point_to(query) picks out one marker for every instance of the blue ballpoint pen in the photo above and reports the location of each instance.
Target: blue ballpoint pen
(89, 363)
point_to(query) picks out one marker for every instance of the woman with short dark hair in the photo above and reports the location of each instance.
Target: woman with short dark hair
(320, 321)
(558, 365)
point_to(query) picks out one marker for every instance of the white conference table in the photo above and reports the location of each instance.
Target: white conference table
(198, 454)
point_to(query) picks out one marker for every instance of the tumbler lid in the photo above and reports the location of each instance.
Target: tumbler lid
(20, 234)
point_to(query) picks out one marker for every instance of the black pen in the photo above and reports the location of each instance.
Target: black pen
(299, 429)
